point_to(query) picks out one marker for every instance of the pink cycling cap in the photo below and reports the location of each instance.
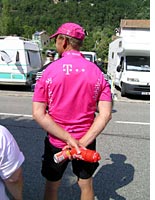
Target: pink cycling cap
(70, 29)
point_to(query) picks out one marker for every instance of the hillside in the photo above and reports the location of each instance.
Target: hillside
(98, 17)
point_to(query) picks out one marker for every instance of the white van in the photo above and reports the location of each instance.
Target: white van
(89, 55)
(129, 57)
(20, 59)
(129, 66)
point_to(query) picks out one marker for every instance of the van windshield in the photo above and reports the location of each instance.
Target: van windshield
(88, 57)
(138, 63)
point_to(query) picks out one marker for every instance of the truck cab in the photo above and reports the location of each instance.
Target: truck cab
(129, 58)
(133, 75)
(89, 55)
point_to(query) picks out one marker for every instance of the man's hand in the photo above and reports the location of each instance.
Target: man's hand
(72, 142)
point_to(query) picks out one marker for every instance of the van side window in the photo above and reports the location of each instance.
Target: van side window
(120, 44)
(17, 56)
(34, 58)
(112, 55)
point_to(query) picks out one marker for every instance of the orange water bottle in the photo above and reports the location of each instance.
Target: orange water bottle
(86, 155)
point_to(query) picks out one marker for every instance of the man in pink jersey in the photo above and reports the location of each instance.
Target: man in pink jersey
(72, 88)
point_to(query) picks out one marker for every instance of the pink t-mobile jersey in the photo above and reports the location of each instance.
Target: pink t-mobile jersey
(71, 87)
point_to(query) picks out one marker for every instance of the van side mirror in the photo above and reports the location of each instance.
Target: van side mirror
(119, 67)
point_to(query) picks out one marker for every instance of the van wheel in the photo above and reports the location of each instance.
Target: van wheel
(123, 90)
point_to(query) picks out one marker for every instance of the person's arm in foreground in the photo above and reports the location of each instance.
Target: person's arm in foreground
(100, 122)
(14, 184)
(48, 124)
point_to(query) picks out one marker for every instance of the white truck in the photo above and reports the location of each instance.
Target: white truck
(129, 60)
(90, 55)
(20, 59)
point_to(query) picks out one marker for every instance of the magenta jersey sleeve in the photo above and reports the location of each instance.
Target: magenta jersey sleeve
(40, 93)
(105, 92)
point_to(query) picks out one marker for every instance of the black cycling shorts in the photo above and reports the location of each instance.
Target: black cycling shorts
(54, 171)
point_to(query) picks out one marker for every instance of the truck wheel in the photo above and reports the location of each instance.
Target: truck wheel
(123, 90)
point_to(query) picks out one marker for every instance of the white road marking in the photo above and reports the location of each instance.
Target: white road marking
(127, 122)
(16, 115)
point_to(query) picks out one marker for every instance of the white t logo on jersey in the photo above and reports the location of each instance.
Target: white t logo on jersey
(67, 68)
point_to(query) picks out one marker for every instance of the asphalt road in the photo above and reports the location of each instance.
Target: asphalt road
(123, 173)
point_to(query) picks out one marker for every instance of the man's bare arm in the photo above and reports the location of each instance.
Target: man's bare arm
(100, 122)
(48, 124)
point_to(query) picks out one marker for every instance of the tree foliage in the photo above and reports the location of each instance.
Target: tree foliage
(98, 17)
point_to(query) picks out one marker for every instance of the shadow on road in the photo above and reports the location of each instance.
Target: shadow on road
(139, 97)
(113, 176)
(131, 96)
(19, 88)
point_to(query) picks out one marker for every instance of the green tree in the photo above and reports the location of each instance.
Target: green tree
(6, 20)
(98, 17)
